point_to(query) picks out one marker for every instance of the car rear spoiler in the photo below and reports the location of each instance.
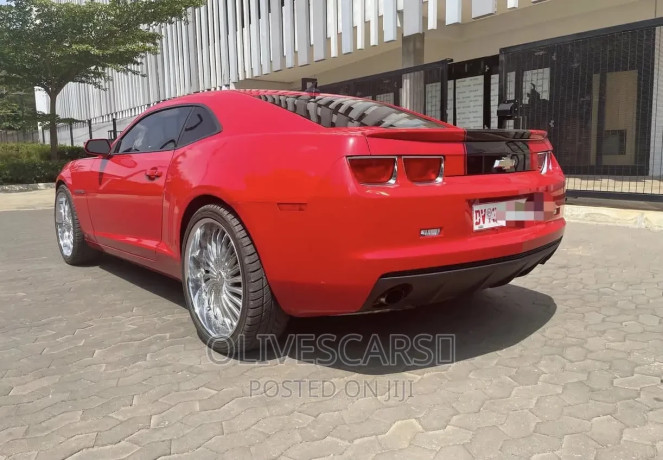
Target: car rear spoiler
(458, 135)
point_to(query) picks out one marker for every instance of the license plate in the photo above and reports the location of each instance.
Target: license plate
(486, 216)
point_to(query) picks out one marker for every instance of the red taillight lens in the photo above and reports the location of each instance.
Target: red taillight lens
(424, 169)
(541, 161)
(374, 171)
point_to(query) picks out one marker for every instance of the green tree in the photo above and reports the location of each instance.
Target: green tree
(17, 109)
(48, 44)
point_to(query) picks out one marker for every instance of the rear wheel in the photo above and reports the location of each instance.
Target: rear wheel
(71, 241)
(225, 286)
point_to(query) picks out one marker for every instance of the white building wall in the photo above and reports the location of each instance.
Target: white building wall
(226, 42)
(259, 43)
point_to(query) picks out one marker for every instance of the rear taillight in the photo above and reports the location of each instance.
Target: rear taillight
(424, 169)
(541, 162)
(374, 170)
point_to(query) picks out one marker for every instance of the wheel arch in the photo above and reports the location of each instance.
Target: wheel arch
(197, 203)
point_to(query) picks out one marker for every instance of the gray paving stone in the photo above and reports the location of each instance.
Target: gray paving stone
(102, 362)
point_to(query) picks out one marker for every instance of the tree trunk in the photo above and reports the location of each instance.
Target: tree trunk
(53, 128)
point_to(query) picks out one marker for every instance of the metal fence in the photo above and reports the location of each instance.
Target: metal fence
(78, 133)
(18, 136)
(598, 94)
(422, 88)
(600, 97)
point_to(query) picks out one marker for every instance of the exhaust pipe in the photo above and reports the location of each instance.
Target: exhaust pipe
(393, 295)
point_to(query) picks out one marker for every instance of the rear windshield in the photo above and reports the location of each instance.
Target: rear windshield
(342, 112)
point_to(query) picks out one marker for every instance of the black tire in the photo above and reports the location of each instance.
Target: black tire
(81, 252)
(260, 314)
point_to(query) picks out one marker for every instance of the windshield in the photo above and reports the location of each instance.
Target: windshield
(342, 111)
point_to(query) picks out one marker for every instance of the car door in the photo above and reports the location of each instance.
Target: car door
(126, 207)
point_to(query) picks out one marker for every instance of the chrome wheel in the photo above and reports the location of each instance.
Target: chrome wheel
(213, 278)
(64, 224)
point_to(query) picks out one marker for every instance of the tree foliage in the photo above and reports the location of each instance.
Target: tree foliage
(17, 110)
(48, 44)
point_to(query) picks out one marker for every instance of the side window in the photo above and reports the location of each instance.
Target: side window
(201, 123)
(156, 132)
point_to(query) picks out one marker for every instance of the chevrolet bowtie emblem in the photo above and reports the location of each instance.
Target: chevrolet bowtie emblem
(505, 164)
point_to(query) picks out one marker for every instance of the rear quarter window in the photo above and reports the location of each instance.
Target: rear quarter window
(342, 112)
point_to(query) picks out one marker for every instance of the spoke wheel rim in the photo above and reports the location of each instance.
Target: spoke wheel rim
(64, 224)
(213, 278)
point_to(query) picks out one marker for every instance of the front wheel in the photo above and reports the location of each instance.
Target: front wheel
(225, 287)
(71, 241)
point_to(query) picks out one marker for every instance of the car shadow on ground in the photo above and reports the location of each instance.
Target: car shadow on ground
(156, 283)
(389, 342)
(425, 337)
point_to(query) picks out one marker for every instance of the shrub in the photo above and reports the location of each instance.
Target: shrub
(26, 163)
(25, 151)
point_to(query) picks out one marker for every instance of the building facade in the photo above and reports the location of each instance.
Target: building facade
(587, 71)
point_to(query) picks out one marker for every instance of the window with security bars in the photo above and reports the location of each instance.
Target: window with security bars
(422, 88)
(598, 97)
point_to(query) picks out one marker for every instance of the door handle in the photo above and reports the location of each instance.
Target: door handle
(152, 173)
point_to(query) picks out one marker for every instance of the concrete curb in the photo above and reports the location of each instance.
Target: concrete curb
(25, 187)
(651, 220)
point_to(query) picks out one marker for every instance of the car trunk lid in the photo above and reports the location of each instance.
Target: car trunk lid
(465, 152)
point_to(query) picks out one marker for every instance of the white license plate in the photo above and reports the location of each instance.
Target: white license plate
(486, 215)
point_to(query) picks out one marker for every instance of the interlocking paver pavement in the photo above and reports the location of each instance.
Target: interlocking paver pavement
(103, 362)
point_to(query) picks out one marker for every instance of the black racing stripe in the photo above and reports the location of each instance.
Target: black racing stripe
(484, 135)
(486, 147)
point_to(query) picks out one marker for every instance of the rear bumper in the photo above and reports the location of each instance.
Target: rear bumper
(424, 287)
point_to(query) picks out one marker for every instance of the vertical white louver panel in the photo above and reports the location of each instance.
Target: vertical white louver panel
(212, 25)
(254, 8)
(432, 14)
(319, 15)
(174, 77)
(265, 55)
(184, 39)
(303, 32)
(197, 39)
(223, 42)
(193, 52)
(332, 26)
(232, 42)
(181, 62)
(172, 71)
(481, 8)
(389, 20)
(289, 32)
(374, 18)
(413, 17)
(204, 48)
(454, 10)
(347, 29)
(360, 20)
(276, 33)
(186, 58)
(512, 4)
(161, 63)
(246, 39)
(239, 34)
(221, 65)
(165, 75)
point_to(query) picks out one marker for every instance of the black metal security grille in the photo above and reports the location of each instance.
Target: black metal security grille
(428, 95)
(597, 95)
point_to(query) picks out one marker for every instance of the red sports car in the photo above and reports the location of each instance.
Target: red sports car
(269, 203)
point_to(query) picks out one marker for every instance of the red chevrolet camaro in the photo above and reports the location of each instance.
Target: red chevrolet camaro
(267, 204)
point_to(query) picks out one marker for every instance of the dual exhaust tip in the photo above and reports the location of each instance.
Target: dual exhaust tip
(392, 296)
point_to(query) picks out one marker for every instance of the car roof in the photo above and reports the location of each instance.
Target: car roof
(206, 96)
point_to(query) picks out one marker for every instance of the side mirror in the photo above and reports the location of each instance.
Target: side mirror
(98, 147)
